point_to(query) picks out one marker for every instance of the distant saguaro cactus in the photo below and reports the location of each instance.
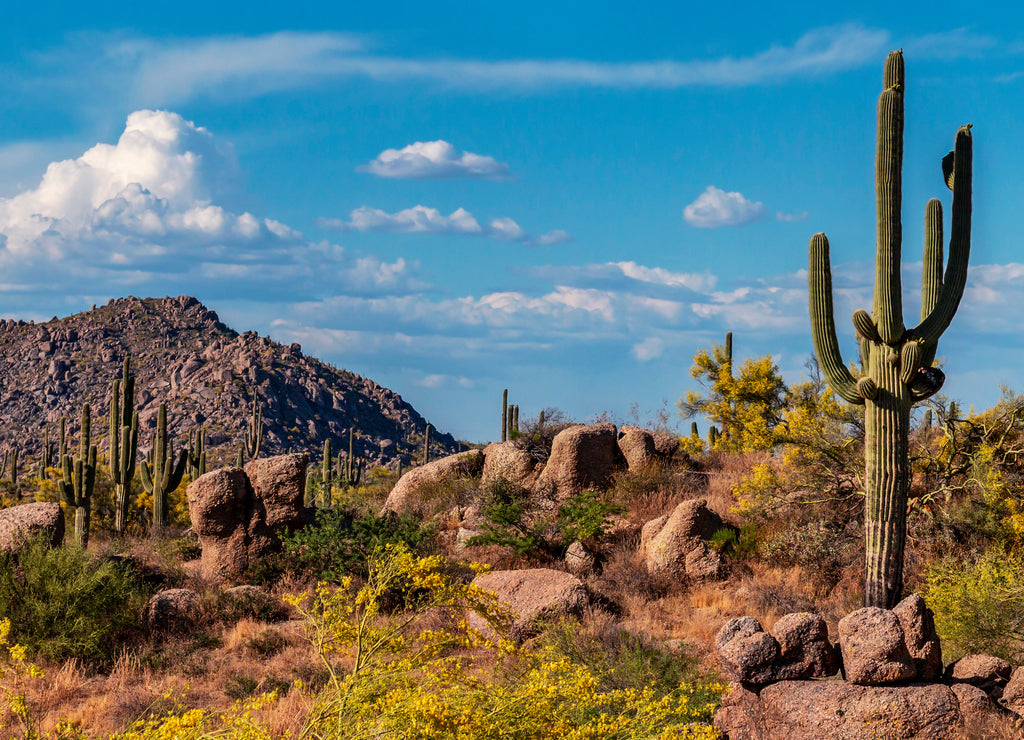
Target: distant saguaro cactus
(160, 475)
(124, 442)
(78, 478)
(504, 415)
(896, 362)
(253, 438)
(196, 453)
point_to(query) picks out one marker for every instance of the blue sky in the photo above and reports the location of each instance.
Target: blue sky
(564, 199)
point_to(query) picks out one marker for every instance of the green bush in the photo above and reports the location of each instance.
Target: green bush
(979, 606)
(586, 516)
(341, 542)
(63, 604)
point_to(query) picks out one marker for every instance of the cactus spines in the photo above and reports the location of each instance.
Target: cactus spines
(78, 478)
(160, 475)
(896, 369)
(253, 438)
(504, 415)
(124, 442)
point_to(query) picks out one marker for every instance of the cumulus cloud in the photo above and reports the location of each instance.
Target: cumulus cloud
(160, 203)
(715, 207)
(426, 160)
(424, 220)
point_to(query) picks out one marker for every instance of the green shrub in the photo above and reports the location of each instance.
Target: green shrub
(340, 542)
(586, 516)
(505, 512)
(979, 606)
(63, 604)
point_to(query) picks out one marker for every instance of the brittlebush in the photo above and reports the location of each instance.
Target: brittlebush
(389, 677)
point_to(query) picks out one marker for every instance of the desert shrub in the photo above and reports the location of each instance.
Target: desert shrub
(736, 543)
(979, 606)
(340, 543)
(62, 604)
(817, 546)
(586, 516)
(620, 659)
(513, 518)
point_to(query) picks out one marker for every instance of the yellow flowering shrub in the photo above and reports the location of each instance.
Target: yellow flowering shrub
(745, 406)
(14, 667)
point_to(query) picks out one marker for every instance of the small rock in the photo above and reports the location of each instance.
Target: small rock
(534, 595)
(579, 560)
(922, 641)
(987, 672)
(804, 648)
(747, 652)
(175, 608)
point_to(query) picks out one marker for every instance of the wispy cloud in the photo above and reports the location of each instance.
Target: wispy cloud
(715, 207)
(143, 71)
(424, 220)
(791, 217)
(426, 160)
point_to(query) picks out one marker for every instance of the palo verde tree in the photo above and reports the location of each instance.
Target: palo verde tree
(896, 362)
(745, 406)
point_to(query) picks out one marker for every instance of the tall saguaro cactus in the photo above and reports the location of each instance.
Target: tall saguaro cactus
(124, 442)
(160, 475)
(253, 438)
(78, 478)
(896, 362)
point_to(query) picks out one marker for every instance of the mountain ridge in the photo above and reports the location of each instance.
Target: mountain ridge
(205, 371)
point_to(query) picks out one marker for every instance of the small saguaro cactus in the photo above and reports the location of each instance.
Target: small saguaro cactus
(45, 454)
(426, 445)
(196, 453)
(159, 473)
(253, 438)
(78, 478)
(504, 415)
(14, 465)
(896, 362)
(124, 442)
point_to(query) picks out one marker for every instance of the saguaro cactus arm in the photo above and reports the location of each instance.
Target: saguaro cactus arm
(823, 325)
(887, 309)
(955, 277)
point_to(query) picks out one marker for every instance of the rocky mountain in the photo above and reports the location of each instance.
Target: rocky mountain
(206, 372)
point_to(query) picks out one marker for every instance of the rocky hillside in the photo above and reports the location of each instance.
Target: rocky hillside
(183, 355)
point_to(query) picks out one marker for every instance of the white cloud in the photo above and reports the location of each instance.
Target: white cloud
(555, 236)
(142, 71)
(159, 205)
(435, 160)
(649, 349)
(424, 220)
(716, 208)
(791, 217)
(661, 276)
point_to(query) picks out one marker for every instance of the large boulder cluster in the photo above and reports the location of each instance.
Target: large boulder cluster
(583, 457)
(894, 684)
(239, 513)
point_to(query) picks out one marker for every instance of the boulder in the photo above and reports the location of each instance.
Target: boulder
(797, 647)
(679, 547)
(239, 518)
(837, 710)
(504, 461)
(1013, 692)
(415, 489)
(172, 609)
(19, 525)
(874, 652)
(638, 448)
(976, 706)
(987, 672)
(804, 648)
(665, 445)
(747, 652)
(579, 560)
(582, 458)
(919, 635)
(534, 595)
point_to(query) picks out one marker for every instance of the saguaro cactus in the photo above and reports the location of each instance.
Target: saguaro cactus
(196, 453)
(504, 415)
(159, 474)
(253, 438)
(78, 479)
(124, 442)
(896, 362)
